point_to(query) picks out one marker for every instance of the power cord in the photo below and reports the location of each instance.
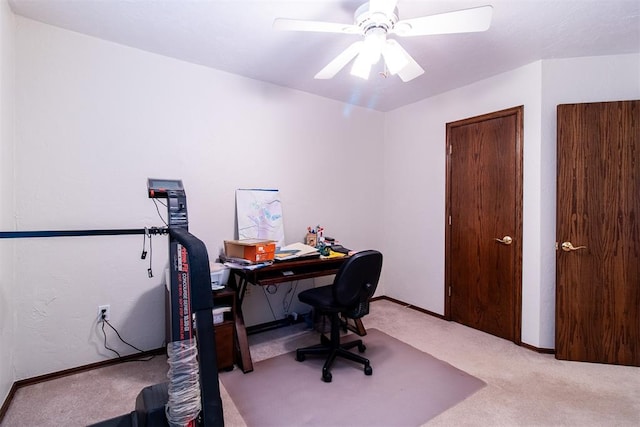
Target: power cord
(105, 341)
(291, 293)
(104, 321)
(272, 290)
(148, 233)
(155, 202)
(265, 291)
(143, 255)
(150, 270)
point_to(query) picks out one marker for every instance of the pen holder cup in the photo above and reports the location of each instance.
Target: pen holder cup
(311, 239)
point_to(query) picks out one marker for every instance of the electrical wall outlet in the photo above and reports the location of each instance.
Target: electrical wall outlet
(106, 309)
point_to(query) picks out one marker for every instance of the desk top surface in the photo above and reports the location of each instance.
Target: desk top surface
(305, 262)
(283, 271)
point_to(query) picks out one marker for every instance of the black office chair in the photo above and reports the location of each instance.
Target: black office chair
(354, 285)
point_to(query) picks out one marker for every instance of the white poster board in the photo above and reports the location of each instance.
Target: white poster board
(260, 215)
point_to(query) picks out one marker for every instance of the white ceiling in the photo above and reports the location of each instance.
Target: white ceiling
(236, 36)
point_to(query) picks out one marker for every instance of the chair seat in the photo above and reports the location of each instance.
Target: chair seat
(321, 298)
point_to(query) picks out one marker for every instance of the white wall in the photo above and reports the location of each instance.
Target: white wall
(415, 176)
(95, 119)
(8, 310)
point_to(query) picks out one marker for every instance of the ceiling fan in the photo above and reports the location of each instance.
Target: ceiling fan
(376, 20)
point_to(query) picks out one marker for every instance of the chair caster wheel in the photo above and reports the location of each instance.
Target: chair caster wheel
(326, 377)
(368, 370)
(362, 348)
(300, 357)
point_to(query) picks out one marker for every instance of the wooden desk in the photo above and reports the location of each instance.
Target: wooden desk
(278, 272)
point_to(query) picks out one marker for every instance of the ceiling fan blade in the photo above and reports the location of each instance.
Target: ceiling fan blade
(285, 24)
(339, 61)
(411, 70)
(461, 21)
(383, 6)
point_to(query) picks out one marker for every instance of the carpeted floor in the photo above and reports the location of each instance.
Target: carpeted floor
(524, 388)
(408, 387)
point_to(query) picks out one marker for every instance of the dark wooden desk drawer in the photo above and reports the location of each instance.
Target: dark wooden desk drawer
(224, 345)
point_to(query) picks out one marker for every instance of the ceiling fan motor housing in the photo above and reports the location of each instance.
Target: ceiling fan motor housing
(367, 20)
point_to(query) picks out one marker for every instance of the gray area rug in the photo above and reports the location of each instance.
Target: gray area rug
(408, 387)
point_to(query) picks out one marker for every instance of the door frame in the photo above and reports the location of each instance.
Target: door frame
(517, 242)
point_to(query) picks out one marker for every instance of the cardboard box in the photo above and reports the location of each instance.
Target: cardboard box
(253, 250)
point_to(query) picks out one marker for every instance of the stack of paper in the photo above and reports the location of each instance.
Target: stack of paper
(295, 250)
(241, 263)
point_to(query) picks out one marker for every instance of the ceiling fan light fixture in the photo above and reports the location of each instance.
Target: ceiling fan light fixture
(361, 66)
(393, 58)
(374, 42)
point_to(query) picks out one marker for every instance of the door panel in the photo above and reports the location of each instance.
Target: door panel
(598, 207)
(484, 205)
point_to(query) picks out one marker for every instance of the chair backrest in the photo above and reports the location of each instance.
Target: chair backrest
(356, 282)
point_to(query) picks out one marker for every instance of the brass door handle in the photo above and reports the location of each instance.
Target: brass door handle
(507, 240)
(568, 247)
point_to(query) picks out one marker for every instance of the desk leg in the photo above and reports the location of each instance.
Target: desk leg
(242, 342)
(246, 364)
(357, 326)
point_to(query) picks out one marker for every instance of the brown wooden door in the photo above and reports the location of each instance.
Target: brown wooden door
(484, 204)
(598, 207)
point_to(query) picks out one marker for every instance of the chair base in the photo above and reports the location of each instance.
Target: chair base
(333, 349)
